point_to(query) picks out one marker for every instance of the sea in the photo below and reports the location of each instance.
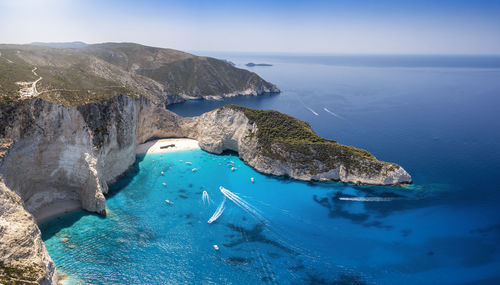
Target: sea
(437, 116)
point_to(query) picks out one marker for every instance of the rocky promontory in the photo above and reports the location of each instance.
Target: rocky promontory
(278, 144)
(53, 154)
(71, 120)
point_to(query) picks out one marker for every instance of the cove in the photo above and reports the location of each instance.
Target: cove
(307, 233)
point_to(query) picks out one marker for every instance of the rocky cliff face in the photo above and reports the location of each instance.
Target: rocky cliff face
(94, 73)
(308, 158)
(52, 154)
(23, 257)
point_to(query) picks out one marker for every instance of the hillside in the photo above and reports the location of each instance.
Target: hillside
(93, 73)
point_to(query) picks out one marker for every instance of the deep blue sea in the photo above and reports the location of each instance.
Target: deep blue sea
(437, 116)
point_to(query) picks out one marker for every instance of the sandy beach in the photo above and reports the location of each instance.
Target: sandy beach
(176, 145)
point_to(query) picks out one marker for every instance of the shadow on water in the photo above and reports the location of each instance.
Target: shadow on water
(255, 235)
(398, 199)
(53, 226)
(342, 279)
(126, 178)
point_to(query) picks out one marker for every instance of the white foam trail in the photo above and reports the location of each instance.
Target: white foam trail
(368, 199)
(312, 111)
(241, 203)
(218, 212)
(332, 113)
(205, 198)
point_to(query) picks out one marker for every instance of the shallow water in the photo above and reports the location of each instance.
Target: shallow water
(439, 122)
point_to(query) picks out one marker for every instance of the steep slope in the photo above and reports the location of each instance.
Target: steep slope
(93, 73)
(278, 144)
(181, 73)
(53, 155)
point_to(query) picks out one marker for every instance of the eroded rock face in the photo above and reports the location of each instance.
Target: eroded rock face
(50, 153)
(229, 129)
(62, 153)
(23, 257)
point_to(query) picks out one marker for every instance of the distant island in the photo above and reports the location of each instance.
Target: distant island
(251, 64)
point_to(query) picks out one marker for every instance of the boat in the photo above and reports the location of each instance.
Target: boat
(162, 173)
(164, 184)
(167, 146)
(169, 202)
(187, 162)
(216, 247)
(194, 169)
(233, 168)
(251, 179)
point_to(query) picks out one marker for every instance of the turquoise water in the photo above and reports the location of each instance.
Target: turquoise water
(300, 232)
(438, 117)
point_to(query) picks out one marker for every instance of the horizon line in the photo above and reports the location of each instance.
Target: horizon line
(310, 53)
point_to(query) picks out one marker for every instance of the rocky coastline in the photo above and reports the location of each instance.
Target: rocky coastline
(53, 154)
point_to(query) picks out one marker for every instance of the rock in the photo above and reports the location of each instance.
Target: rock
(230, 128)
(52, 154)
(251, 64)
(23, 257)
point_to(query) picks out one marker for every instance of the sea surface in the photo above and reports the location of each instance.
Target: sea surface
(437, 116)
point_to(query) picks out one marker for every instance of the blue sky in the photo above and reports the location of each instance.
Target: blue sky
(315, 26)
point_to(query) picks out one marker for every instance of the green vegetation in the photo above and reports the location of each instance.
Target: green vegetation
(10, 73)
(19, 275)
(94, 73)
(202, 76)
(277, 131)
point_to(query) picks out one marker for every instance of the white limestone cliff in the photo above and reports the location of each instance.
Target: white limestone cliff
(51, 154)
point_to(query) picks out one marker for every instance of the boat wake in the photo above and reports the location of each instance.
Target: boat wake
(332, 113)
(369, 199)
(312, 111)
(218, 212)
(242, 204)
(205, 198)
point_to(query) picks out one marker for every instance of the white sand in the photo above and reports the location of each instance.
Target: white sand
(61, 207)
(154, 146)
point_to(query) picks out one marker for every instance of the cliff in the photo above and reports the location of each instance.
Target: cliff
(23, 257)
(95, 73)
(278, 144)
(64, 146)
(52, 154)
(56, 155)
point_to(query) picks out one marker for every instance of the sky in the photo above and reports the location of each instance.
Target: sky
(293, 26)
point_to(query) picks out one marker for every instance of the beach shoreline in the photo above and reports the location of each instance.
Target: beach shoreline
(154, 146)
(174, 144)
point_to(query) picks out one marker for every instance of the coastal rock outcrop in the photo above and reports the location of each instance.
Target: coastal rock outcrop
(66, 153)
(23, 256)
(53, 155)
(278, 144)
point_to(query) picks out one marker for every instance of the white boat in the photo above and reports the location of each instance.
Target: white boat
(194, 169)
(164, 184)
(162, 173)
(251, 179)
(169, 202)
(187, 162)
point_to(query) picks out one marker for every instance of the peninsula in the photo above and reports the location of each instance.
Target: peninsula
(88, 109)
